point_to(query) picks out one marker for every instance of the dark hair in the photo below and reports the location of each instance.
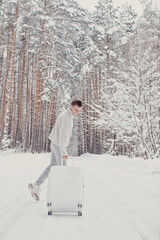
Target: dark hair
(76, 102)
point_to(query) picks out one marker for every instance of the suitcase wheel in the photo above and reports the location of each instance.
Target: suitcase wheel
(79, 213)
(50, 213)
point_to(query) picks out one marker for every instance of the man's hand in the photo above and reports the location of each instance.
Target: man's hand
(65, 157)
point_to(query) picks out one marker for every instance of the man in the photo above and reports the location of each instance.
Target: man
(60, 137)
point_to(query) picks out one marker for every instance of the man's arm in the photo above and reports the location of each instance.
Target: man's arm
(64, 137)
(65, 157)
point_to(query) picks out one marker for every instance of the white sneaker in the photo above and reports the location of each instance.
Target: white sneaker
(34, 190)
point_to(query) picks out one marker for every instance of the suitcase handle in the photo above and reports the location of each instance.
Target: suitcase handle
(66, 162)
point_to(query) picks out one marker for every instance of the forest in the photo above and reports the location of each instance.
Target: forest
(53, 49)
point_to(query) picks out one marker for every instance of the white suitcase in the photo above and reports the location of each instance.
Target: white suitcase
(65, 190)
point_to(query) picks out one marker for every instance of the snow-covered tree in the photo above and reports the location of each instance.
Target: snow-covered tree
(136, 101)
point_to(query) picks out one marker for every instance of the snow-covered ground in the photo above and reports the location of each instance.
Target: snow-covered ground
(121, 200)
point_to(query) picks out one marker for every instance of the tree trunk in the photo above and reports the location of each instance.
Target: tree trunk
(10, 102)
(5, 86)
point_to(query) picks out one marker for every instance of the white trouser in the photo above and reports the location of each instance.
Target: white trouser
(56, 160)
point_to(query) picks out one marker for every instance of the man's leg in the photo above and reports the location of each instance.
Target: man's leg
(55, 161)
(58, 157)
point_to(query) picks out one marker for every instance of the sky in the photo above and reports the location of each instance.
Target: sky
(89, 4)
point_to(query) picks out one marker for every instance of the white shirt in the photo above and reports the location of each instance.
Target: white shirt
(62, 131)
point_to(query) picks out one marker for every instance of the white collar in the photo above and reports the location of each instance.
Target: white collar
(70, 112)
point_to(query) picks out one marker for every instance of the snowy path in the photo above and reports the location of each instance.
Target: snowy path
(121, 200)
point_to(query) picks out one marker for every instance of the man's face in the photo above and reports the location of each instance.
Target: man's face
(75, 109)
